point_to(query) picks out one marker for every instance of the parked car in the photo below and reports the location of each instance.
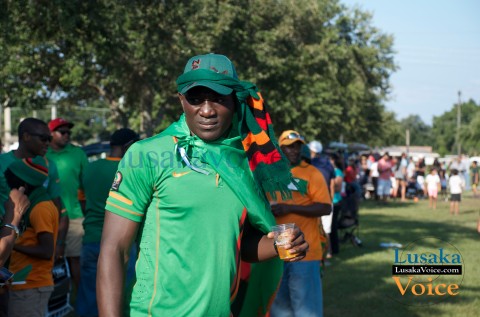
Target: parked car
(59, 303)
(97, 150)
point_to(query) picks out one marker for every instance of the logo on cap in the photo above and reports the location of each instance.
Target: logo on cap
(196, 64)
(225, 72)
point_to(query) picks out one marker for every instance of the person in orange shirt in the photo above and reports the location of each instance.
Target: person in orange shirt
(15, 207)
(300, 292)
(36, 245)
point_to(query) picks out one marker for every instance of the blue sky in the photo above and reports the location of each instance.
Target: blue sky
(438, 52)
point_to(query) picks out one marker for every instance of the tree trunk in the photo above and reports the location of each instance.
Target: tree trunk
(146, 119)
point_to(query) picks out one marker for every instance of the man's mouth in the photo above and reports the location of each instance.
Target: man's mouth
(207, 125)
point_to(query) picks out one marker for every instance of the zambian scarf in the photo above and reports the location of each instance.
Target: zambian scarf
(270, 169)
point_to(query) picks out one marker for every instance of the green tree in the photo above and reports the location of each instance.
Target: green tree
(444, 129)
(470, 130)
(393, 133)
(420, 132)
(324, 69)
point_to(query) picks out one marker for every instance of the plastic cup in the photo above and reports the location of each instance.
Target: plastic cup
(283, 234)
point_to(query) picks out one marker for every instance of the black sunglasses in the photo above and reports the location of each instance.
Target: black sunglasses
(64, 132)
(42, 137)
(196, 99)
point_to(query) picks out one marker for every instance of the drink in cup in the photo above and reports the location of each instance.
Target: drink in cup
(283, 235)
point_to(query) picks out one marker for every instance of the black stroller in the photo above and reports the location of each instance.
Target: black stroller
(348, 225)
(414, 189)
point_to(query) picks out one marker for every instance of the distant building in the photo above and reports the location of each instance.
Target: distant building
(415, 152)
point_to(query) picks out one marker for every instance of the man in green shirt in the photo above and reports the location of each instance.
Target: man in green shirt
(71, 161)
(33, 140)
(194, 195)
(97, 181)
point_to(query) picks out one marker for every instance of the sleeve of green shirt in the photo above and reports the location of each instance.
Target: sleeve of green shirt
(132, 188)
(53, 188)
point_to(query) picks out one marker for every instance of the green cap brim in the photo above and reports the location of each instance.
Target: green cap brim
(222, 90)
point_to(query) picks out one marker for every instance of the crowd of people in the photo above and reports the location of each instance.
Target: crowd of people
(179, 224)
(384, 177)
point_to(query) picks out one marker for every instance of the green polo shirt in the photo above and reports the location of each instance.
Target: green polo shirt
(97, 180)
(52, 184)
(190, 228)
(71, 162)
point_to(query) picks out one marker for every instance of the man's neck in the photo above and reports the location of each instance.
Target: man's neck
(116, 152)
(22, 153)
(57, 147)
(295, 164)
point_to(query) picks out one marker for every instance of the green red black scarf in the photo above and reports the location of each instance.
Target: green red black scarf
(270, 169)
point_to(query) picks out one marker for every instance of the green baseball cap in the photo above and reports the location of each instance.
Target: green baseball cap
(215, 63)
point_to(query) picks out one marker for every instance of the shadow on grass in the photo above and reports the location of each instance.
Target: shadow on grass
(469, 211)
(359, 280)
(372, 204)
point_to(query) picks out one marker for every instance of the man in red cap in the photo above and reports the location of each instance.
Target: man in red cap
(71, 161)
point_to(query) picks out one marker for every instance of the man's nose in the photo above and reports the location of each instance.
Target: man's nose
(207, 109)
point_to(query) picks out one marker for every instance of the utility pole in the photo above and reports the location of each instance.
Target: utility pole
(459, 122)
(7, 117)
(407, 142)
(53, 112)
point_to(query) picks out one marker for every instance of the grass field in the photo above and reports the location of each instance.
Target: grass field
(358, 281)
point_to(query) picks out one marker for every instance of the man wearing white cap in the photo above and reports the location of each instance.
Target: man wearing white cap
(322, 163)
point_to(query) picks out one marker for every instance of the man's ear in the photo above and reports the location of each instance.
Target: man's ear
(182, 99)
(26, 136)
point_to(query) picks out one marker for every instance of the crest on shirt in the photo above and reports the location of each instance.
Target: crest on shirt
(116, 182)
